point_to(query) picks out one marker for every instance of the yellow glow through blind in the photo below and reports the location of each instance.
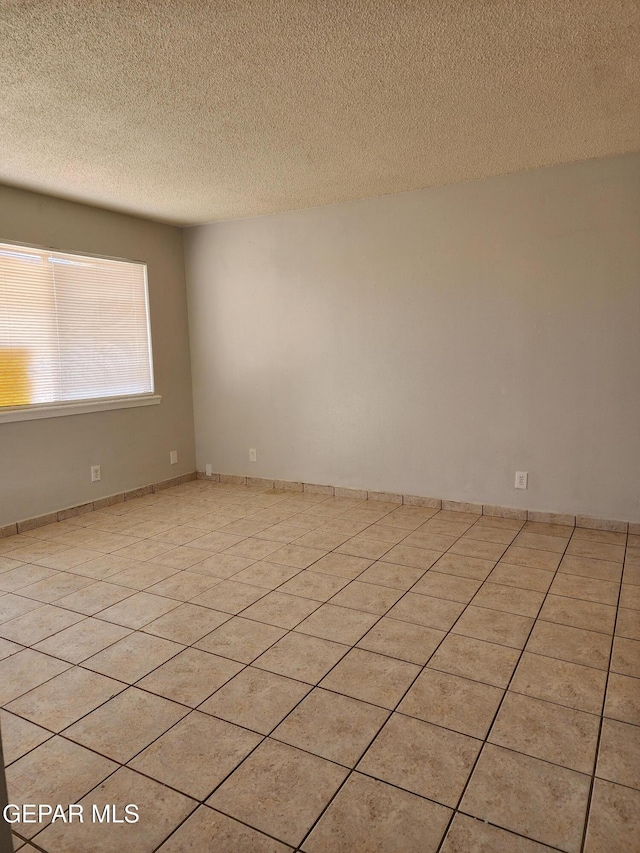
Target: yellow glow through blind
(71, 328)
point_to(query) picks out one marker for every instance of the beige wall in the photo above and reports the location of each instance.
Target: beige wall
(432, 342)
(45, 464)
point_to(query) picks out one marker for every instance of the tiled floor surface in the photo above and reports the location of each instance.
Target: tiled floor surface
(262, 671)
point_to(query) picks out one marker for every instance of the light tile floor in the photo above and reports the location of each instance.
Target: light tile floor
(273, 671)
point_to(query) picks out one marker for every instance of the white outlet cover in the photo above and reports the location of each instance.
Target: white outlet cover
(253, 454)
(95, 473)
(173, 457)
(522, 479)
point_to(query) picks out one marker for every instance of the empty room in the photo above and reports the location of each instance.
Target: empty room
(320, 426)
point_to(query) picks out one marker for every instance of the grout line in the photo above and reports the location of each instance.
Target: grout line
(602, 719)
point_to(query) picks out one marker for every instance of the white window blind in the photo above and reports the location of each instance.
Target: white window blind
(72, 328)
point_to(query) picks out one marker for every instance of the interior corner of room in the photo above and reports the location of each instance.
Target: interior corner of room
(432, 343)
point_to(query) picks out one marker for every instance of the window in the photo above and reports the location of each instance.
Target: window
(74, 334)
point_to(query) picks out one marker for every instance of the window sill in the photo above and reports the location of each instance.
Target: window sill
(56, 410)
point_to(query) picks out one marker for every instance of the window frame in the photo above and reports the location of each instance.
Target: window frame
(37, 411)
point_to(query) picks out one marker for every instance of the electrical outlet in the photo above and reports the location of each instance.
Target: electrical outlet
(208, 469)
(173, 457)
(95, 473)
(522, 479)
(253, 454)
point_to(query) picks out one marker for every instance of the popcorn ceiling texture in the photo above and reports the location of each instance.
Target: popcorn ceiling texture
(192, 112)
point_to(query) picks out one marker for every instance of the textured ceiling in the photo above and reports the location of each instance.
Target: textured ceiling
(189, 111)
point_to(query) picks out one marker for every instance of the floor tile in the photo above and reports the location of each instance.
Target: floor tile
(570, 684)
(196, 754)
(132, 657)
(368, 597)
(541, 541)
(599, 550)
(281, 610)
(296, 556)
(455, 703)
(626, 657)
(241, 639)
(58, 771)
(94, 598)
(614, 819)
(426, 610)
(105, 566)
(389, 818)
(256, 549)
(187, 624)
(362, 546)
(623, 699)
(468, 834)
(342, 565)
(579, 614)
(183, 585)
(302, 657)
(145, 549)
(628, 624)
(484, 533)
(587, 589)
(563, 531)
(24, 671)
(590, 648)
(372, 678)
(126, 724)
(53, 588)
(521, 576)
(475, 659)
(332, 726)
(449, 587)
(208, 829)
(183, 557)
(190, 677)
(268, 575)
(422, 758)
(589, 568)
(160, 810)
(630, 596)
(19, 736)
(230, 596)
(392, 575)
(408, 555)
(314, 585)
(256, 699)
(403, 640)
(82, 640)
(12, 606)
(223, 565)
(619, 754)
(525, 795)
(279, 790)
(340, 624)
(507, 629)
(523, 602)
(38, 624)
(141, 575)
(516, 556)
(138, 610)
(65, 698)
(430, 541)
(465, 567)
(474, 548)
(545, 730)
